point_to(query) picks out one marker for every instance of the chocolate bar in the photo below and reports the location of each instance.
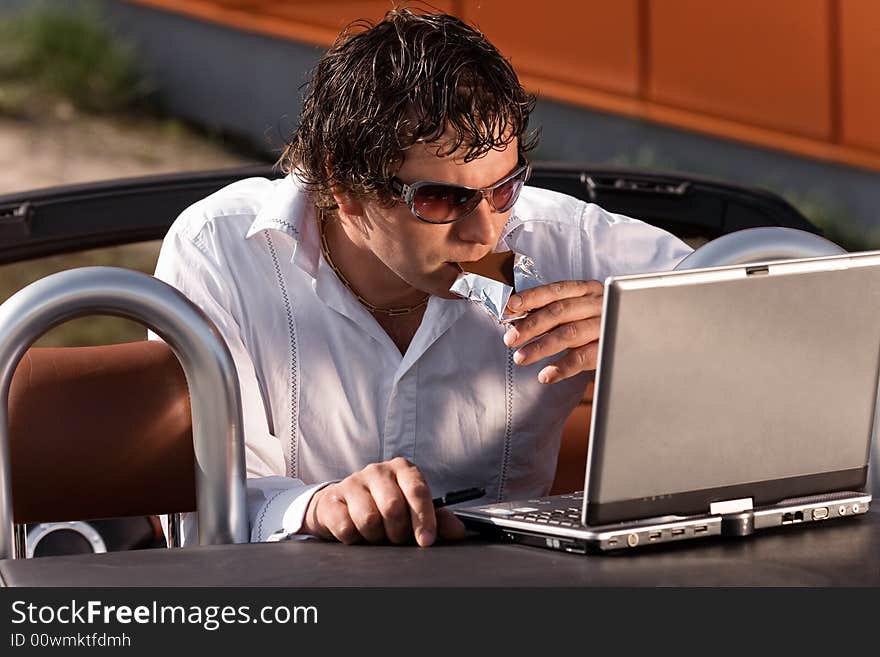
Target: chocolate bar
(497, 266)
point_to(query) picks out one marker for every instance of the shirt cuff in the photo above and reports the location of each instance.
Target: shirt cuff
(283, 514)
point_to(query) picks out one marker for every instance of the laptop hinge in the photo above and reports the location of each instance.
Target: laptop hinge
(731, 506)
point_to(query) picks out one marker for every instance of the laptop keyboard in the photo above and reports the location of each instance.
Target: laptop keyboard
(566, 517)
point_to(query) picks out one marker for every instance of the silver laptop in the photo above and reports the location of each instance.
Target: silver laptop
(728, 400)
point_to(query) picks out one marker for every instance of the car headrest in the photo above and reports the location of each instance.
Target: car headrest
(760, 245)
(100, 432)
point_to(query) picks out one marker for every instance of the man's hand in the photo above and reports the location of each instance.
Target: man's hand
(566, 315)
(387, 501)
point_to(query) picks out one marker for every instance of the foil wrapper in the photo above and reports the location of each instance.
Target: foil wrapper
(491, 295)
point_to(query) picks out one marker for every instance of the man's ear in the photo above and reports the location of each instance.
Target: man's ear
(348, 203)
(345, 200)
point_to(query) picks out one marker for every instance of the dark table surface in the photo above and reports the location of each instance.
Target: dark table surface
(834, 553)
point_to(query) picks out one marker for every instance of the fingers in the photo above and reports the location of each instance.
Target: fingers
(568, 336)
(418, 496)
(365, 515)
(549, 317)
(564, 316)
(333, 518)
(574, 362)
(392, 504)
(448, 526)
(384, 501)
(540, 296)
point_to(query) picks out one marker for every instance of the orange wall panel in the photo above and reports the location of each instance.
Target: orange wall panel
(860, 79)
(764, 63)
(797, 75)
(308, 21)
(336, 13)
(591, 42)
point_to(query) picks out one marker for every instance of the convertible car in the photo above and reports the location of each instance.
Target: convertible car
(87, 422)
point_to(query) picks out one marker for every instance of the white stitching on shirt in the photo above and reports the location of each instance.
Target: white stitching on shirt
(578, 264)
(292, 465)
(508, 421)
(293, 229)
(265, 510)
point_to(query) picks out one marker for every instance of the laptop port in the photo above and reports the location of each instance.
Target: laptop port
(612, 542)
(821, 513)
(701, 529)
(678, 532)
(655, 536)
(799, 516)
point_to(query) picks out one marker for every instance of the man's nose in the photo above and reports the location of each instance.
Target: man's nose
(480, 226)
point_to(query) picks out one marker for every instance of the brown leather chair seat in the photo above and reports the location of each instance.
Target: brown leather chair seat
(572, 461)
(100, 432)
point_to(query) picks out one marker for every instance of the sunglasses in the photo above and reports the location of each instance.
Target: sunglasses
(443, 203)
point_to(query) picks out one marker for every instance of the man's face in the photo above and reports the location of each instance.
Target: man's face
(423, 254)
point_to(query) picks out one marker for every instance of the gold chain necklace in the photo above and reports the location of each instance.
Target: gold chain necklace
(325, 249)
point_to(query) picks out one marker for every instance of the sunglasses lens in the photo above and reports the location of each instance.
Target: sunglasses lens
(504, 196)
(444, 203)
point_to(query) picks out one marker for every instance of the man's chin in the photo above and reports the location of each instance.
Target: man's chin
(437, 282)
(443, 280)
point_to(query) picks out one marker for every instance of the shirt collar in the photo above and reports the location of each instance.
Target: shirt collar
(509, 234)
(290, 209)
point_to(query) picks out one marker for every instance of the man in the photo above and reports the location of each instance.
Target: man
(357, 365)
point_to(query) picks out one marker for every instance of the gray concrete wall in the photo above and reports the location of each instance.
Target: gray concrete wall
(249, 85)
(826, 192)
(224, 79)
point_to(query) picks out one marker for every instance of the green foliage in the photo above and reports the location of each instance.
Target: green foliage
(834, 224)
(87, 331)
(48, 53)
(645, 157)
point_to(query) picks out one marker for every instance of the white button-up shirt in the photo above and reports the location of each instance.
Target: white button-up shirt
(324, 389)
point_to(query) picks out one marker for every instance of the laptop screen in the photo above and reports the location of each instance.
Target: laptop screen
(734, 382)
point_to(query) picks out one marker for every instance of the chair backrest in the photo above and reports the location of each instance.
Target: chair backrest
(100, 432)
(209, 369)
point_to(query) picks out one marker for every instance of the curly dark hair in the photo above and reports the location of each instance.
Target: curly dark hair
(380, 88)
